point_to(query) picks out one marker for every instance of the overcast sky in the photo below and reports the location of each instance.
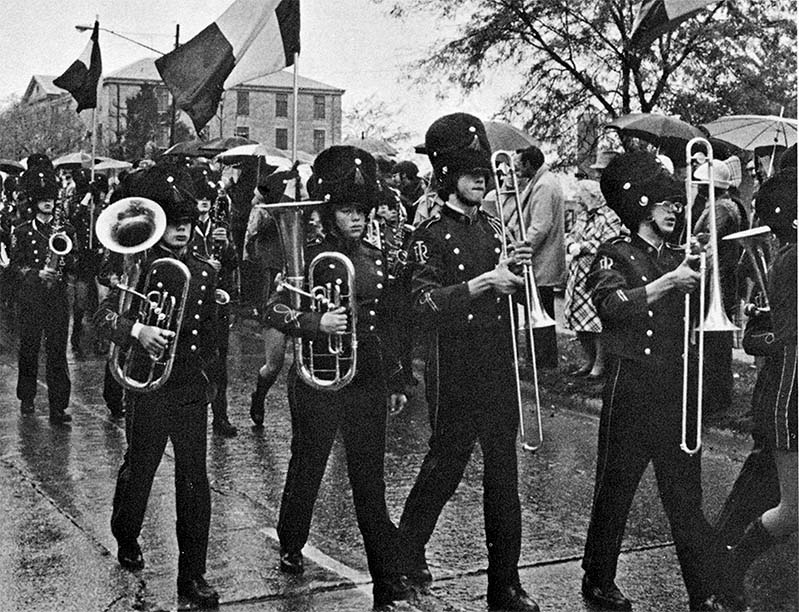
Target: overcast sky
(351, 44)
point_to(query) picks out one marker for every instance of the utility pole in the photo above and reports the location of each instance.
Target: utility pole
(173, 111)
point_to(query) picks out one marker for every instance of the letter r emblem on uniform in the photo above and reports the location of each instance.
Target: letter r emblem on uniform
(420, 251)
(605, 262)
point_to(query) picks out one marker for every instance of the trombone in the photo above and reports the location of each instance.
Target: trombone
(715, 320)
(507, 186)
(755, 244)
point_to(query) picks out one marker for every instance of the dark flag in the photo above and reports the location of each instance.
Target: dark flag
(82, 77)
(656, 17)
(250, 39)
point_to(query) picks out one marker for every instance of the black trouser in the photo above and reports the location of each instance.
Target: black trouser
(44, 312)
(151, 421)
(545, 338)
(218, 371)
(641, 422)
(359, 410)
(476, 402)
(112, 390)
(718, 372)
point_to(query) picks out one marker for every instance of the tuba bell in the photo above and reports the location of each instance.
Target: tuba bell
(130, 227)
(324, 365)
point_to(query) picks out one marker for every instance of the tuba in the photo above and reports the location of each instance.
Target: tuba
(130, 227)
(712, 317)
(507, 187)
(324, 365)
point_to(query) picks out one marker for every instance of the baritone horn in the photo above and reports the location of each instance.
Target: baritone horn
(755, 244)
(130, 227)
(711, 315)
(507, 188)
(323, 364)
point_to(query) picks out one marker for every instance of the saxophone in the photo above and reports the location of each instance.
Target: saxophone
(59, 243)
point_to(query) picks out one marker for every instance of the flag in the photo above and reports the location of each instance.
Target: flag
(82, 77)
(656, 17)
(250, 39)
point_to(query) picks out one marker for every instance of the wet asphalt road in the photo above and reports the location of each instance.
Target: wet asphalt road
(56, 485)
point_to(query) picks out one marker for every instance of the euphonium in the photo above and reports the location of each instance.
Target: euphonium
(507, 187)
(130, 227)
(712, 317)
(328, 365)
(755, 243)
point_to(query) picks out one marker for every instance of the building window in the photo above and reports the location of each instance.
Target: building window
(318, 107)
(243, 131)
(318, 140)
(162, 99)
(243, 103)
(282, 138)
(281, 105)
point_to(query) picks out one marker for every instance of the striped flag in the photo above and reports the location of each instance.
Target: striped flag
(82, 77)
(250, 39)
(656, 17)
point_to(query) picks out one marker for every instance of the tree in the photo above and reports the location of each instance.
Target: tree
(373, 118)
(142, 122)
(53, 129)
(574, 55)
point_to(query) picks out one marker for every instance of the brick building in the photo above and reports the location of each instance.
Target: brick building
(261, 109)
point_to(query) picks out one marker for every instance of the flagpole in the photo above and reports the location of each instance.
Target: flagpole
(94, 144)
(294, 120)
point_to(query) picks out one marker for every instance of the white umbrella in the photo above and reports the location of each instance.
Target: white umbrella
(750, 132)
(253, 150)
(112, 164)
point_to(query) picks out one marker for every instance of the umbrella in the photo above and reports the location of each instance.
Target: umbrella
(112, 164)
(10, 166)
(506, 137)
(655, 128)
(375, 146)
(188, 148)
(225, 144)
(77, 160)
(753, 131)
(236, 154)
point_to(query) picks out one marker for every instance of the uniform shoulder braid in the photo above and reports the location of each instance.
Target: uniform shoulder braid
(431, 220)
(201, 258)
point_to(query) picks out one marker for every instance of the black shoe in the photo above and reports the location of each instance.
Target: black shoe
(291, 561)
(511, 598)
(257, 409)
(608, 596)
(117, 412)
(198, 591)
(390, 589)
(420, 576)
(59, 416)
(129, 556)
(26, 407)
(225, 429)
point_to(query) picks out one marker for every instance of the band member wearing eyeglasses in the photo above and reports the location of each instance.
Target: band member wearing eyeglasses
(776, 207)
(42, 296)
(178, 410)
(459, 288)
(638, 284)
(345, 180)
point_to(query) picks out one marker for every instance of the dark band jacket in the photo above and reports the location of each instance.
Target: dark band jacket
(631, 328)
(446, 251)
(196, 346)
(30, 251)
(375, 359)
(202, 245)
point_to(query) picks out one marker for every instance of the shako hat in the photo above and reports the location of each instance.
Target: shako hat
(775, 204)
(170, 187)
(634, 181)
(344, 175)
(457, 144)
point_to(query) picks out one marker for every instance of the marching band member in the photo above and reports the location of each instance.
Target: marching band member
(345, 179)
(42, 297)
(459, 286)
(177, 411)
(211, 241)
(638, 284)
(777, 417)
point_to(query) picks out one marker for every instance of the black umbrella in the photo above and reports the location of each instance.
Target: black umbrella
(187, 148)
(9, 166)
(668, 134)
(217, 145)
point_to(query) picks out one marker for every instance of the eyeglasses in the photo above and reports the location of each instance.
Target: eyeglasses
(675, 207)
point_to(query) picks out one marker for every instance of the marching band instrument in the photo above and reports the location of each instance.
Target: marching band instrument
(331, 366)
(59, 243)
(507, 186)
(755, 243)
(715, 319)
(130, 227)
